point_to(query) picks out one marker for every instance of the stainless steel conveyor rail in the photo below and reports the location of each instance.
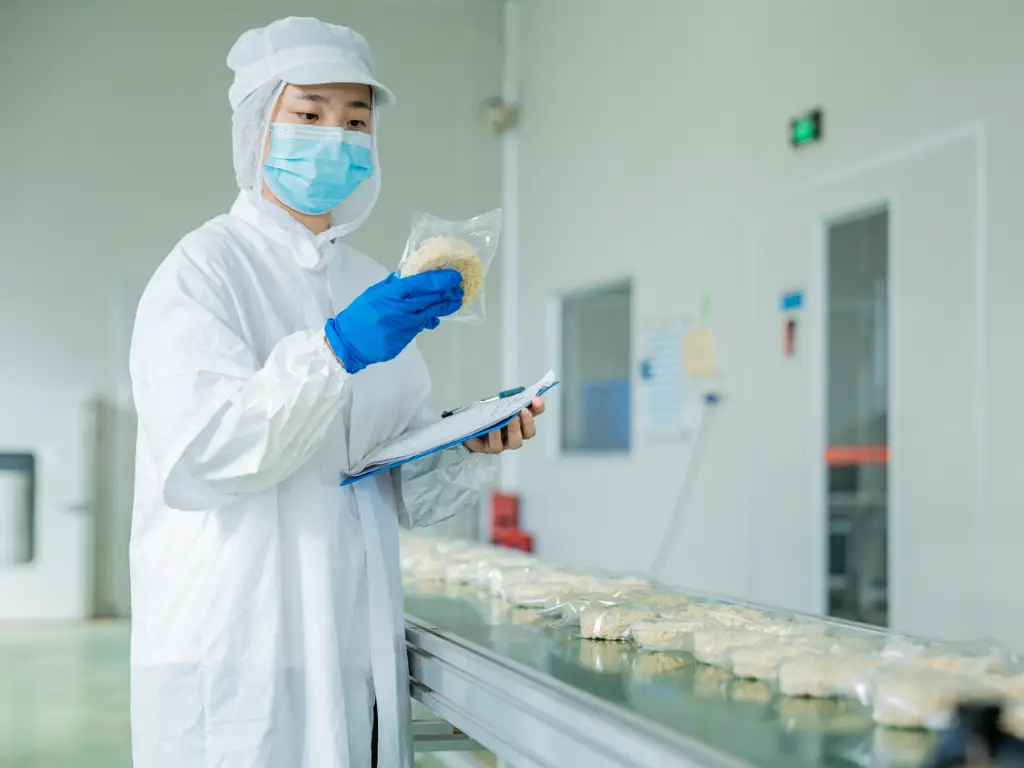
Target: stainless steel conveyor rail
(531, 720)
(542, 697)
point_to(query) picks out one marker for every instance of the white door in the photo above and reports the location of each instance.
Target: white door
(936, 334)
(56, 426)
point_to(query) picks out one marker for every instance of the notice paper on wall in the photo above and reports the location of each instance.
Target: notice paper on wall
(664, 398)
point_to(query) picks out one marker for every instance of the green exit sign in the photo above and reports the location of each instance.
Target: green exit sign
(805, 129)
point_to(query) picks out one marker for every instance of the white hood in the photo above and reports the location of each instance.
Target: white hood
(300, 51)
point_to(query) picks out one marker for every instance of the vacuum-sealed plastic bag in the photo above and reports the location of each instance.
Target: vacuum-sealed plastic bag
(904, 697)
(826, 676)
(613, 622)
(539, 596)
(667, 634)
(713, 646)
(568, 615)
(468, 247)
(974, 658)
(761, 662)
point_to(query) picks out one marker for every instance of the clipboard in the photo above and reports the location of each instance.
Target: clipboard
(474, 420)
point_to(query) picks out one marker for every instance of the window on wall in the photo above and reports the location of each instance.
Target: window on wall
(596, 365)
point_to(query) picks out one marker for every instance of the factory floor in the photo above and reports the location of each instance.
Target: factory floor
(64, 697)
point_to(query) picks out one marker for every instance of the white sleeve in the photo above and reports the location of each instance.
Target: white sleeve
(216, 422)
(275, 422)
(442, 485)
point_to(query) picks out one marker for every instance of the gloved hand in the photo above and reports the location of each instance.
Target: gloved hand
(384, 318)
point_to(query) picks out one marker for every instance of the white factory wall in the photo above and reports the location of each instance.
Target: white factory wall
(119, 137)
(653, 144)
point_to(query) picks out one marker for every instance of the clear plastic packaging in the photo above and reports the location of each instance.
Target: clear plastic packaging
(732, 615)
(962, 658)
(667, 634)
(619, 584)
(907, 697)
(761, 662)
(613, 622)
(466, 246)
(568, 614)
(713, 646)
(667, 600)
(826, 676)
(539, 596)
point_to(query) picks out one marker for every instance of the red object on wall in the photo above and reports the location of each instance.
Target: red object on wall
(790, 337)
(505, 530)
(514, 538)
(504, 511)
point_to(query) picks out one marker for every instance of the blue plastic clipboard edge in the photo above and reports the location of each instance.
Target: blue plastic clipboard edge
(356, 478)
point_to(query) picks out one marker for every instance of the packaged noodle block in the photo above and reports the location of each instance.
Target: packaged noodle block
(735, 615)
(761, 662)
(969, 661)
(668, 600)
(613, 622)
(667, 634)
(826, 675)
(538, 595)
(464, 246)
(911, 697)
(856, 643)
(508, 580)
(569, 612)
(648, 664)
(712, 646)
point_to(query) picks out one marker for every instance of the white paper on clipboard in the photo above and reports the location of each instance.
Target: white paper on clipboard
(477, 419)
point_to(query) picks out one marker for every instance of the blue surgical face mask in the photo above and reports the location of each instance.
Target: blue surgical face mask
(311, 169)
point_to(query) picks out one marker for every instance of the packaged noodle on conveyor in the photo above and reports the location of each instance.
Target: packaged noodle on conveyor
(712, 646)
(904, 682)
(909, 697)
(668, 634)
(613, 622)
(826, 675)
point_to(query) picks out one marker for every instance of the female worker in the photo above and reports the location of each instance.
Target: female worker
(268, 357)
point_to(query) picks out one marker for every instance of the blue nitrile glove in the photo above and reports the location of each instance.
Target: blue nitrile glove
(384, 318)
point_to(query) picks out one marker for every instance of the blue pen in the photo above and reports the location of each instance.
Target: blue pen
(500, 396)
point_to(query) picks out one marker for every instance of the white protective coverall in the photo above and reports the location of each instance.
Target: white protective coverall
(267, 602)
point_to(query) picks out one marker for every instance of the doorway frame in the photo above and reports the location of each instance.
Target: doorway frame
(974, 132)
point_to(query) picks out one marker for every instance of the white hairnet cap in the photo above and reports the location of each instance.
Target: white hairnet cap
(302, 51)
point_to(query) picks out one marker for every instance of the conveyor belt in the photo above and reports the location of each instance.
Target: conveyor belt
(538, 696)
